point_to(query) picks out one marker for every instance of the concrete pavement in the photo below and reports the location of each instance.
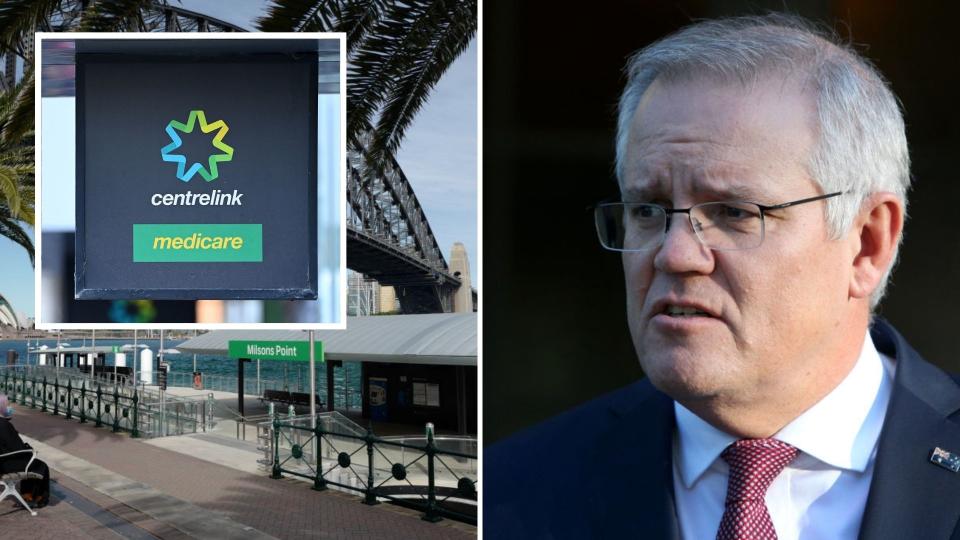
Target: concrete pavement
(177, 495)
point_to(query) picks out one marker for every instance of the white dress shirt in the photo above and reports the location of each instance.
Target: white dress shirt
(822, 494)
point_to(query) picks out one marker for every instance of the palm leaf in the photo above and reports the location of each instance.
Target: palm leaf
(10, 189)
(353, 17)
(10, 228)
(19, 19)
(17, 191)
(358, 18)
(385, 55)
(397, 51)
(291, 15)
(113, 15)
(413, 87)
(18, 121)
(324, 17)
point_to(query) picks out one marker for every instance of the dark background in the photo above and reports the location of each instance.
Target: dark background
(124, 107)
(555, 331)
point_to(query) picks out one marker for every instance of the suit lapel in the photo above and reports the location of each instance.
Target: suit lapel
(633, 460)
(910, 497)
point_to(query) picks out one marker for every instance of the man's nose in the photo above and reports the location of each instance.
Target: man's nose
(682, 251)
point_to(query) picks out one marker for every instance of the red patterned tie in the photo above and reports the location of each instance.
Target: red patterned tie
(754, 463)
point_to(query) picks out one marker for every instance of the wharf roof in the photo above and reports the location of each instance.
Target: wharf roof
(433, 338)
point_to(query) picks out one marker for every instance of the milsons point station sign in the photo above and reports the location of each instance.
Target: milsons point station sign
(197, 168)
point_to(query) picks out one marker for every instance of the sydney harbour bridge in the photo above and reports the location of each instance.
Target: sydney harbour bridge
(388, 236)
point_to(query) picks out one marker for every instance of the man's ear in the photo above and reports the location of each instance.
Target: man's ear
(877, 230)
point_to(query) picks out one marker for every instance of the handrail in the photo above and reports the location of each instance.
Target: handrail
(438, 501)
(122, 407)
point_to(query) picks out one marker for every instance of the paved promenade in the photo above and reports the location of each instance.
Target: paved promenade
(108, 485)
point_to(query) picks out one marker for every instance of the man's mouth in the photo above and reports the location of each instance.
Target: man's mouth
(684, 311)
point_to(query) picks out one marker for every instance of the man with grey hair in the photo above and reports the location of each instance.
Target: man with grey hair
(763, 172)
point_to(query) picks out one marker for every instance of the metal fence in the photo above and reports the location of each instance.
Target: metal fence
(345, 396)
(437, 477)
(123, 407)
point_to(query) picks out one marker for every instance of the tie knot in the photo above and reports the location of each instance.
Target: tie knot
(754, 463)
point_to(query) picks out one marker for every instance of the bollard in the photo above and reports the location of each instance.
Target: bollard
(44, 393)
(83, 402)
(69, 398)
(56, 396)
(275, 474)
(370, 498)
(116, 409)
(319, 483)
(136, 415)
(99, 407)
(432, 515)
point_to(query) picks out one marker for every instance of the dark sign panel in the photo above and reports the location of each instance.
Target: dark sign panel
(196, 170)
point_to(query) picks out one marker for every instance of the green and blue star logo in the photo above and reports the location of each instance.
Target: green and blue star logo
(210, 171)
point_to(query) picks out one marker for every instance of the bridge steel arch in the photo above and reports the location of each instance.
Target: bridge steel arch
(389, 238)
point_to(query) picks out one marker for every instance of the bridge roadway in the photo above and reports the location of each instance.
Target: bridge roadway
(106, 485)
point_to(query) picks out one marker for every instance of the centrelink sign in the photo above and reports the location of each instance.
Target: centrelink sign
(197, 168)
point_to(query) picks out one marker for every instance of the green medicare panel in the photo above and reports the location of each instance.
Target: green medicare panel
(197, 242)
(197, 168)
(275, 350)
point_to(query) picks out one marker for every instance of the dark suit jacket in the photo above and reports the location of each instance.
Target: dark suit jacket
(604, 469)
(10, 441)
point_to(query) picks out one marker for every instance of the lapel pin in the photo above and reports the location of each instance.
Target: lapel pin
(945, 459)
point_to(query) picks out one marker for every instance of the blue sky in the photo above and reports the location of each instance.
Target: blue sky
(438, 155)
(16, 276)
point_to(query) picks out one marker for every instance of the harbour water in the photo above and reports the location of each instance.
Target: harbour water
(291, 375)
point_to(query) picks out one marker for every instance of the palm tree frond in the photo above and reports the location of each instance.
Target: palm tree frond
(10, 189)
(397, 51)
(19, 19)
(413, 87)
(11, 229)
(389, 50)
(358, 18)
(287, 15)
(19, 119)
(113, 15)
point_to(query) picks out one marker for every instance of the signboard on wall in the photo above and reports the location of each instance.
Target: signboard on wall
(196, 169)
(379, 409)
(275, 350)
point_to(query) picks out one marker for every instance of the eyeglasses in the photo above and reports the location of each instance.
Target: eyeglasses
(722, 225)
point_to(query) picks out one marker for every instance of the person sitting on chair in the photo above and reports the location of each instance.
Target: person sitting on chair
(35, 492)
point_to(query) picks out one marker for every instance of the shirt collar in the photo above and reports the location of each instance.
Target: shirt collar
(840, 430)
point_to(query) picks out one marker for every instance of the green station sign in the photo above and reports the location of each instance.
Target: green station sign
(275, 350)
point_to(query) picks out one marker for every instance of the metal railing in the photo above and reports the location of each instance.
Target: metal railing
(431, 478)
(175, 415)
(254, 387)
(102, 376)
(346, 398)
(123, 407)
